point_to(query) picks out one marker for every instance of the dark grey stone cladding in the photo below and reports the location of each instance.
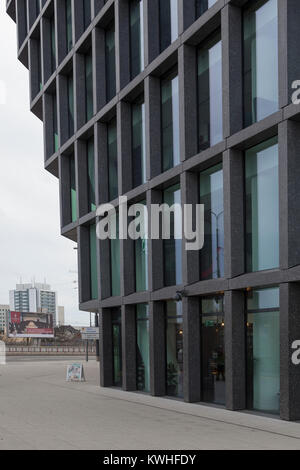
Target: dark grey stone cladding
(226, 15)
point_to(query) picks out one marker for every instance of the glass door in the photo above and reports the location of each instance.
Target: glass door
(117, 348)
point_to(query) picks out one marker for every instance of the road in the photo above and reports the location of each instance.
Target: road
(40, 410)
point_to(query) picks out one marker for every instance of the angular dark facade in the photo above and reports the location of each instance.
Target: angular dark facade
(168, 101)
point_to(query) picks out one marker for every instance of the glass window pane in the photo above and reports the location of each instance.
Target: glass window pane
(170, 122)
(117, 347)
(112, 160)
(143, 348)
(262, 207)
(210, 103)
(168, 21)
(138, 143)
(211, 195)
(71, 104)
(260, 61)
(69, 29)
(73, 195)
(110, 62)
(263, 350)
(174, 344)
(141, 260)
(173, 247)
(115, 263)
(213, 350)
(89, 86)
(91, 175)
(136, 37)
(202, 5)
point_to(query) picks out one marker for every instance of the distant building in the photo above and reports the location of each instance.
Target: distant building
(60, 316)
(4, 310)
(33, 298)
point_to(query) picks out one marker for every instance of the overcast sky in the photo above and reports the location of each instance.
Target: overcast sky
(30, 242)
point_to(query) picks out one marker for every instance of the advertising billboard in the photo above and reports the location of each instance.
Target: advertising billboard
(30, 325)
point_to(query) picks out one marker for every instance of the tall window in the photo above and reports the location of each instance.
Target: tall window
(143, 348)
(55, 124)
(136, 37)
(168, 22)
(87, 15)
(173, 246)
(53, 44)
(115, 263)
(260, 61)
(138, 142)
(93, 263)
(213, 350)
(174, 346)
(73, 192)
(71, 104)
(69, 27)
(117, 346)
(112, 159)
(110, 59)
(210, 120)
(262, 206)
(211, 195)
(263, 350)
(89, 85)
(170, 121)
(141, 256)
(91, 174)
(202, 5)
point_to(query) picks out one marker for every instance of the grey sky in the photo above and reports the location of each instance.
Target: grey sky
(30, 241)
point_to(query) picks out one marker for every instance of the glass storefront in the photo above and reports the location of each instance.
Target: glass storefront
(263, 350)
(213, 350)
(174, 346)
(117, 347)
(143, 348)
(260, 60)
(211, 195)
(262, 206)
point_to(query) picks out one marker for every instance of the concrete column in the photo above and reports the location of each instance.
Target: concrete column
(289, 195)
(235, 350)
(157, 349)
(234, 245)
(129, 347)
(289, 332)
(191, 349)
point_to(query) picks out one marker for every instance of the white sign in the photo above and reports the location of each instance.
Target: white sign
(90, 333)
(75, 373)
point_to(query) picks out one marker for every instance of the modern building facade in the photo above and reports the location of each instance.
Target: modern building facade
(179, 101)
(33, 298)
(4, 311)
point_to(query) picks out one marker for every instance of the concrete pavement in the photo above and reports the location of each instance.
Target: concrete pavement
(40, 410)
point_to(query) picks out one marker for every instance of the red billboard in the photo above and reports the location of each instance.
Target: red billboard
(30, 325)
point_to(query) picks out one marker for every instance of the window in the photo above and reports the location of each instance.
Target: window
(136, 37)
(262, 206)
(141, 256)
(143, 348)
(87, 15)
(168, 22)
(73, 192)
(211, 195)
(263, 350)
(138, 142)
(110, 59)
(71, 104)
(112, 159)
(69, 27)
(213, 350)
(117, 347)
(170, 121)
(173, 246)
(210, 120)
(202, 5)
(91, 174)
(89, 86)
(53, 44)
(115, 263)
(93, 262)
(55, 128)
(260, 61)
(174, 346)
